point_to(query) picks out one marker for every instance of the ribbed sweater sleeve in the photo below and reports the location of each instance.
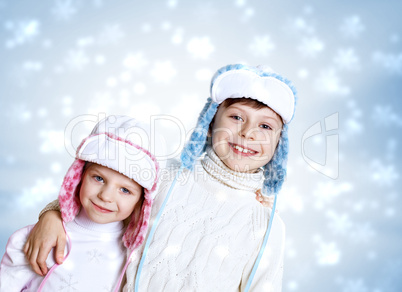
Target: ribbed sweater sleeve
(52, 206)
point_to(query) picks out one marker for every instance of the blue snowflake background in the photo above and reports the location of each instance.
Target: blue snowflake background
(64, 63)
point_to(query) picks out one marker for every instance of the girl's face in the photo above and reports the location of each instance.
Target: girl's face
(245, 138)
(108, 196)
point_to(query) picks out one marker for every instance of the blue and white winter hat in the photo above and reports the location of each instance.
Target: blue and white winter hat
(259, 83)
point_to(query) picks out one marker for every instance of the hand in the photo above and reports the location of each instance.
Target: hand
(46, 234)
(265, 201)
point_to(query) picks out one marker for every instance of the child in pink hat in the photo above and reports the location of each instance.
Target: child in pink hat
(105, 203)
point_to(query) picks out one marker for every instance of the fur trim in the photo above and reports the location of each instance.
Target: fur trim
(197, 143)
(275, 169)
(69, 201)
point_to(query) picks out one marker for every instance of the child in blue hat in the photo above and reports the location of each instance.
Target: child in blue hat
(209, 233)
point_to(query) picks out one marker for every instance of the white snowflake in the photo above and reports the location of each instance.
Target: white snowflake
(328, 254)
(32, 66)
(384, 174)
(144, 110)
(200, 48)
(300, 25)
(354, 126)
(111, 34)
(339, 223)
(329, 82)
(136, 62)
(68, 284)
(102, 103)
(146, 28)
(248, 13)
(383, 115)
(262, 46)
(291, 199)
(166, 25)
(139, 88)
(172, 3)
(308, 9)
(65, 9)
(76, 59)
(23, 31)
(347, 59)
(97, 3)
(94, 256)
(163, 72)
(240, 3)
(44, 189)
(203, 74)
(85, 42)
(326, 193)
(53, 141)
(177, 37)
(311, 46)
(352, 26)
(21, 112)
(391, 62)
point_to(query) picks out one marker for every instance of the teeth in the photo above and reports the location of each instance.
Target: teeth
(242, 149)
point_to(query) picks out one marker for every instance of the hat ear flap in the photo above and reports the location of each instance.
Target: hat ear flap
(275, 170)
(138, 226)
(197, 143)
(69, 202)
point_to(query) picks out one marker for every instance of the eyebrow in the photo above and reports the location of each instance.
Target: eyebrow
(273, 117)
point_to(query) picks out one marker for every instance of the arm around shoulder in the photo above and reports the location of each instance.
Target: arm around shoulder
(45, 235)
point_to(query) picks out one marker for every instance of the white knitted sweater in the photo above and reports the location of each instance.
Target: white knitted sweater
(96, 259)
(210, 234)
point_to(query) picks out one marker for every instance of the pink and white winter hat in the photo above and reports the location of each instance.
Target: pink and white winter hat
(125, 145)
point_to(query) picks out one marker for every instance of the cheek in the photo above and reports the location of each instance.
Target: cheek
(222, 134)
(129, 205)
(270, 143)
(83, 191)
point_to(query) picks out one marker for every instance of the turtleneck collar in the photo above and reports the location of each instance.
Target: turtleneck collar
(84, 221)
(234, 179)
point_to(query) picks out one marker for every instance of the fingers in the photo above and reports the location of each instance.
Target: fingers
(26, 248)
(265, 201)
(45, 235)
(32, 261)
(41, 255)
(31, 254)
(60, 246)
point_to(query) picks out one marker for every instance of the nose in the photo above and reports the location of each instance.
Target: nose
(106, 195)
(247, 131)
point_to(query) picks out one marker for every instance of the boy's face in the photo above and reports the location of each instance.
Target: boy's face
(245, 138)
(108, 196)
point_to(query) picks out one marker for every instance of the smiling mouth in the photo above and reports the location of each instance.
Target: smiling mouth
(242, 149)
(101, 209)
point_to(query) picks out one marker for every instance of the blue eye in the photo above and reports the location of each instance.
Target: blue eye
(126, 191)
(238, 118)
(265, 127)
(98, 178)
